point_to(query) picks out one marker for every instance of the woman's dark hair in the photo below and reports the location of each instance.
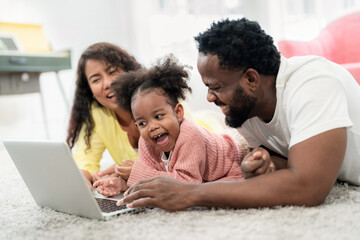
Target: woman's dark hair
(240, 44)
(167, 76)
(81, 109)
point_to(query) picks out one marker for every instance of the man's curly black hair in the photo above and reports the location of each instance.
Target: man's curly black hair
(240, 44)
(167, 78)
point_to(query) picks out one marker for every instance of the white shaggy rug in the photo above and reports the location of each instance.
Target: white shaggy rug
(21, 218)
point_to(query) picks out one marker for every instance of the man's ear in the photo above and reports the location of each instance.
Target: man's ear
(253, 79)
(179, 111)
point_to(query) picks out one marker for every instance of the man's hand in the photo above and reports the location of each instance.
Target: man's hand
(257, 162)
(124, 171)
(160, 191)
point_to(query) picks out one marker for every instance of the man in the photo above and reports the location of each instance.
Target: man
(304, 111)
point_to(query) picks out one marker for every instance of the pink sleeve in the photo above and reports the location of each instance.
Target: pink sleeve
(235, 173)
(180, 173)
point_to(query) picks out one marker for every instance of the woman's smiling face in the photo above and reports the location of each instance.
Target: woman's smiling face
(157, 120)
(100, 76)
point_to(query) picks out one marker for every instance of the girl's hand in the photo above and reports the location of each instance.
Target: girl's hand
(110, 186)
(124, 171)
(110, 172)
(257, 162)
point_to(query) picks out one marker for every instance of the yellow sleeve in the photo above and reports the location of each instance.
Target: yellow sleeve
(89, 158)
(107, 134)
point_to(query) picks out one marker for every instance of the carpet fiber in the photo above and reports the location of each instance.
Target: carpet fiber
(21, 218)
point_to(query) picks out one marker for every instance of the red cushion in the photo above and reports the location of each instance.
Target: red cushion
(339, 42)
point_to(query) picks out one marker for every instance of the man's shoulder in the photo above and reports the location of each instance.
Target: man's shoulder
(306, 77)
(299, 69)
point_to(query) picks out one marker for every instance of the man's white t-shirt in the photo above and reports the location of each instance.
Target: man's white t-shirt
(314, 95)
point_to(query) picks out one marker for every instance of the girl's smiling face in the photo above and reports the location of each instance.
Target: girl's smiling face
(157, 120)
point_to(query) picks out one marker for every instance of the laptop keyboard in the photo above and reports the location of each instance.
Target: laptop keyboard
(107, 205)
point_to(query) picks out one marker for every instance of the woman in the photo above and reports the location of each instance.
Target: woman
(97, 122)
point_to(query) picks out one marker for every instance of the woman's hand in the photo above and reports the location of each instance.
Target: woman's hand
(88, 179)
(124, 171)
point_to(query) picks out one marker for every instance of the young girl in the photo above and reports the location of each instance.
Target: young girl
(170, 145)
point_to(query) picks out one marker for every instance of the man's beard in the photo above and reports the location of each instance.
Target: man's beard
(238, 115)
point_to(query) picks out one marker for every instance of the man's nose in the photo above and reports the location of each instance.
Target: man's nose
(211, 97)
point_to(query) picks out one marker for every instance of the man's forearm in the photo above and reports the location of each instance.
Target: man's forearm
(279, 162)
(268, 190)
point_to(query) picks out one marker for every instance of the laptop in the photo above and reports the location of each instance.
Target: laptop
(54, 180)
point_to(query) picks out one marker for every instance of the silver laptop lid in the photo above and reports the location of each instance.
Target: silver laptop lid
(52, 176)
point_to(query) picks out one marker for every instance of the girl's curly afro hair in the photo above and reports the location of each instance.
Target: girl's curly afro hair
(167, 76)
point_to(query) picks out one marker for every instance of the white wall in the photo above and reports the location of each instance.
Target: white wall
(146, 28)
(67, 25)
